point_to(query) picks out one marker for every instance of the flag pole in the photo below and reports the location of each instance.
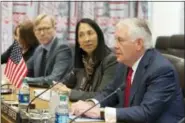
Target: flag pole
(16, 68)
(12, 99)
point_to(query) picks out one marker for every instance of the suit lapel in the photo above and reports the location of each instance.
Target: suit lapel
(140, 72)
(51, 54)
(38, 63)
(136, 82)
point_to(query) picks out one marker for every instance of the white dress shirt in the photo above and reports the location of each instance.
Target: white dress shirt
(47, 47)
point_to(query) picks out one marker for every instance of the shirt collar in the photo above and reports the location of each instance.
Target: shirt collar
(48, 46)
(134, 67)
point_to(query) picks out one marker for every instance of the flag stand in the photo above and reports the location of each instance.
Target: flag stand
(12, 97)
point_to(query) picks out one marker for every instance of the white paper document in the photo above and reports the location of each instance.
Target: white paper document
(44, 96)
(84, 119)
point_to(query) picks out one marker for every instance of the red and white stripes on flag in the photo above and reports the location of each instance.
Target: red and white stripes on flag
(16, 68)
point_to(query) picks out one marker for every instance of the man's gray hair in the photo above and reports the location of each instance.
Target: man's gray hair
(138, 28)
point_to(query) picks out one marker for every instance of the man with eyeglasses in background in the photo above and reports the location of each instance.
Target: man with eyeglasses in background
(52, 59)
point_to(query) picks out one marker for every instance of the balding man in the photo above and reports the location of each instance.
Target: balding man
(52, 60)
(152, 93)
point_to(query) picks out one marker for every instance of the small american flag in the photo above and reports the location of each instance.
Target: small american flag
(16, 68)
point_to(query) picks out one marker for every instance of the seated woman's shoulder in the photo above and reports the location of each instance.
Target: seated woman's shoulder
(110, 59)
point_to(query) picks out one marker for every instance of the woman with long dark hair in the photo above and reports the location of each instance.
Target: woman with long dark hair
(94, 63)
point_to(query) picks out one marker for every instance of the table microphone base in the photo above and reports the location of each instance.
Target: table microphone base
(35, 116)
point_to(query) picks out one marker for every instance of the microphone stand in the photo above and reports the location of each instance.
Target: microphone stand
(7, 90)
(5, 85)
(114, 92)
(39, 95)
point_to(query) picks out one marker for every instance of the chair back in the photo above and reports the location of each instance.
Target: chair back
(179, 65)
(162, 44)
(176, 45)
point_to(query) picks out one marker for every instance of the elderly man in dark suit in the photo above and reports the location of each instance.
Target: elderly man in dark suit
(52, 59)
(152, 93)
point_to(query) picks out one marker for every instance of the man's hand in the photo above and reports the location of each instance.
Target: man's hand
(29, 79)
(79, 107)
(75, 107)
(61, 87)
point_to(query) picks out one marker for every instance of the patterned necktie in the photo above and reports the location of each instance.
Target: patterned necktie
(43, 62)
(128, 87)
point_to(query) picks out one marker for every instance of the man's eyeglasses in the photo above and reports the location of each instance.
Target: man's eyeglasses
(44, 29)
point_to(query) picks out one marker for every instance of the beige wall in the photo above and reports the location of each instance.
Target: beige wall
(2, 74)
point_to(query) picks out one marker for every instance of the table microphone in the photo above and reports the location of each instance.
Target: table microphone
(40, 94)
(71, 73)
(111, 94)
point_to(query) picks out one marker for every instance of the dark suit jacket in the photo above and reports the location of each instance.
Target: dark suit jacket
(103, 74)
(26, 55)
(59, 63)
(155, 95)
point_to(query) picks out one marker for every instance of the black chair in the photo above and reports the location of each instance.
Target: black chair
(182, 120)
(162, 44)
(176, 45)
(179, 65)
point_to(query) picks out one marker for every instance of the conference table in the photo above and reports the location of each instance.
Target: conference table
(39, 104)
